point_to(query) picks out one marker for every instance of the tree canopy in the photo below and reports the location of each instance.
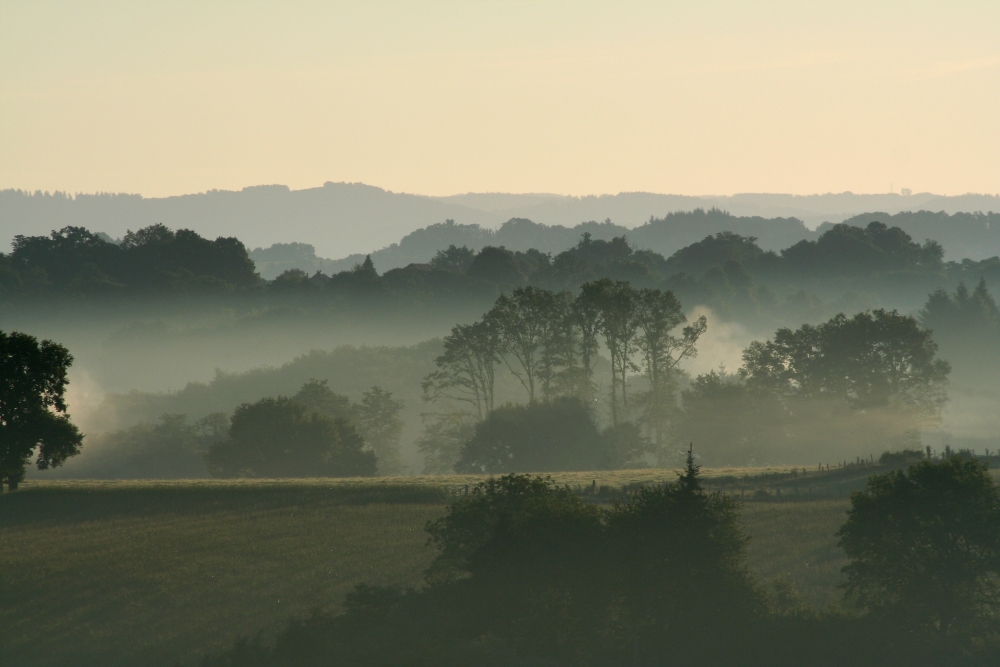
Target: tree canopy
(925, 546)
(278, 437)
(33, 406)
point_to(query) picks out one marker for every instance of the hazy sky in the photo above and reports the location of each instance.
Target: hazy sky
(440, 98)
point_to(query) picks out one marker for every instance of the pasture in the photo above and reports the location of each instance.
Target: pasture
(158, 573)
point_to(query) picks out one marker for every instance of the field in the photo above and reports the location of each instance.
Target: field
(154, 573)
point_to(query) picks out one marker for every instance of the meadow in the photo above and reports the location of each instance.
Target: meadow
(159, 573)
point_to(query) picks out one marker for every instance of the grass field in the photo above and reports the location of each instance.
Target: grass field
(151, 573)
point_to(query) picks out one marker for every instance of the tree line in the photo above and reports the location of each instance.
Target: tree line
(872, 381)
(727, 271)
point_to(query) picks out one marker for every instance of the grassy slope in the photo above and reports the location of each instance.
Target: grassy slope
(117, 574)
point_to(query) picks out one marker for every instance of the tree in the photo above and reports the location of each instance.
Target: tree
(925, 545)
(277, 437)
(453, 259)
(496, 265)
(377, 418)
(466, 369)
(525, 556)
(522, 320)
(680, 563)
(616, 303)
(869, 361)
(558, 370)
(316, 396)
(443, 438)
(33, 406)
(657, 315)
(541, 436)
(732, 424)
(586, 317)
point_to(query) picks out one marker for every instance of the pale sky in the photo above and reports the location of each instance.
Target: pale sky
(698, 97)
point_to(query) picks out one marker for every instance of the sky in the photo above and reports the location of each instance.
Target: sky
(439, 98)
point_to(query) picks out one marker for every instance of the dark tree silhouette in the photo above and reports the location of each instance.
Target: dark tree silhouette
(925, 545)
(277, 437)
(33, 406)
(541, 436)
(657, 315)
(466, 370)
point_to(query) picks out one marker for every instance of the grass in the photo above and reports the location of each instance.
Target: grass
(158, 573)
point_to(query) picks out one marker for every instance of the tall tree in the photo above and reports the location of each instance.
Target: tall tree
(522, 320)
(33, 406)
(466, 369)
(657, 315)
(559, 368)
(586, 318)
(377, 417)
(616, 301)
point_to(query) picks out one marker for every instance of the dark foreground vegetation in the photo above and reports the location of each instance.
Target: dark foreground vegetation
(529, 574)
(157, 574)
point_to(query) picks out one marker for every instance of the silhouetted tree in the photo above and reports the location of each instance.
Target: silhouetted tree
(616, 301)
(496, 265)
(453, 259)
(523, 319)
(541, 436)
(680, 565)
(925, 546)
(33, 406)
(657, 315)
(316, 396)
(277, 437)
(868, 360)
(466, 370)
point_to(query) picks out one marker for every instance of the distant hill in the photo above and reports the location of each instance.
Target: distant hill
(343, 219)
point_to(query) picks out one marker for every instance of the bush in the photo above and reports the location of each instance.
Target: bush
(276, 437)
(540, 437)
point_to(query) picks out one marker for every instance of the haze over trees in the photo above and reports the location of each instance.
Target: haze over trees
(549, 342)
(874, 377)
(193, 281)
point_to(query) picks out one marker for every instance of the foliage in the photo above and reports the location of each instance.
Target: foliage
(277, 437)
(377, 419)
(925, 546)
(444, 436)
(33, 406)
(542, 436)
(74, 261)
(171, 448)
(466, 370)
(681, 556)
